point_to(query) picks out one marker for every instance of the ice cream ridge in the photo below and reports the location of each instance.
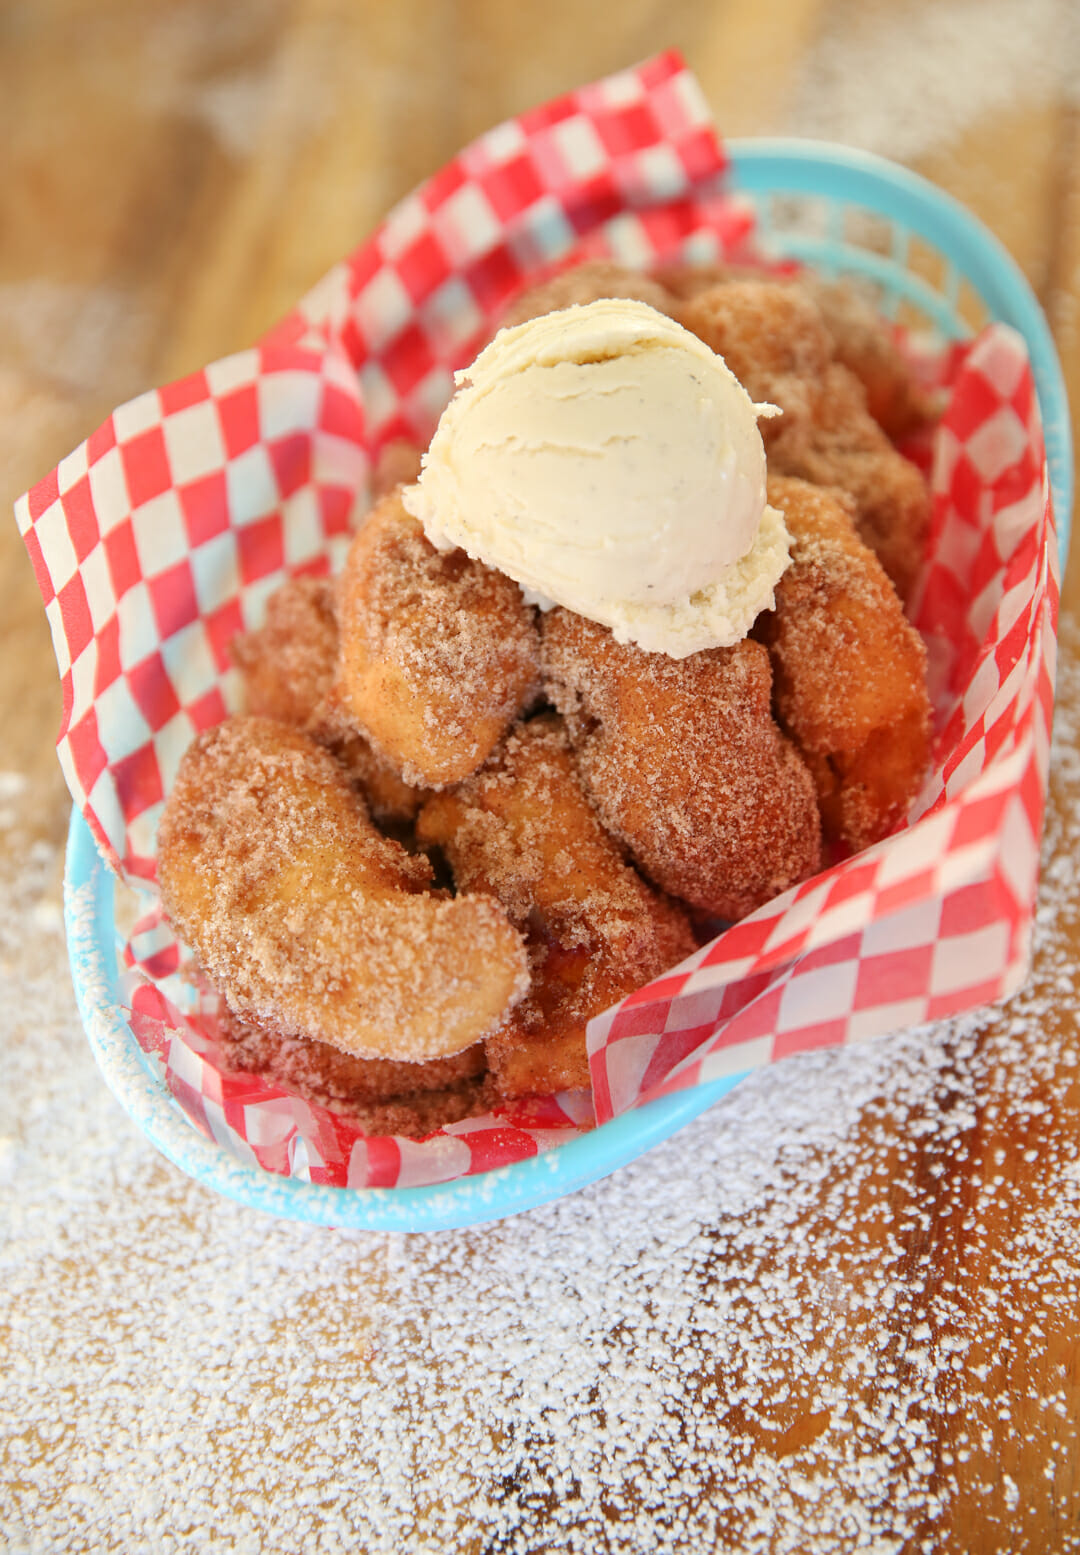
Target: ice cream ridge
(608, 461)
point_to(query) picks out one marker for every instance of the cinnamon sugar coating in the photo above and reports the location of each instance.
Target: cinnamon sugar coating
(308, 920)
(850, 670)
(863, 345)
(588, 282)
(438, 652)
(398, 464)
(387, 795)
(523, 831)
(288, 667)
(417, 1114)
(383, 1096)
(845, 447)
(685, 764)
(773, 337)
(287, 664)
(859, 338)
(684, 281)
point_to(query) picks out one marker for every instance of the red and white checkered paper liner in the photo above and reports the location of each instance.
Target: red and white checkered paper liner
(162, 535)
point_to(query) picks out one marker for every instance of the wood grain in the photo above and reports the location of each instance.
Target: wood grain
(175, 178)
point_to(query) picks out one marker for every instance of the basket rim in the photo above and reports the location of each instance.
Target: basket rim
(89, 895)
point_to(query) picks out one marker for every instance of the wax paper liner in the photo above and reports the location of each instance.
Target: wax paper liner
(162, 535)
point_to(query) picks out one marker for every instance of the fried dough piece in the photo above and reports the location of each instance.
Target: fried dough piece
(863, 345)
(385, 1097)
(847, 448)
(588, 282)
(398, 464)
(774, 339)
(522, 830)
(310, 922)
(685, 280)
(685, 764)
(288, 666)
(438, 652)
(859, 339)
(389, 798)
(850, 670)
(417, 1114)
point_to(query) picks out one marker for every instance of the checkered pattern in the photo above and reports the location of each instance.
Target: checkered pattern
(161, 537)
(269, 1127)
(937, 918)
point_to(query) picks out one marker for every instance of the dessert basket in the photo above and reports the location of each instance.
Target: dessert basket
(165, 532)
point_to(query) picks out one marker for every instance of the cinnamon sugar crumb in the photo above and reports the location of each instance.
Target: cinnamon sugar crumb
(287, 664)
(312, 922)
(381, 1095)
(438, 652)
(685, 764)
(523, 830)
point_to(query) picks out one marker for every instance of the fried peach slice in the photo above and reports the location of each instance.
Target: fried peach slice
(685, 764)
(845, 447)
(850, 669)
(381, 1094)
(438, 652)
(863, 345)
(310, 922)
(523, 831)
(288, 668)
(773, 337)
(684, 280)
(287, 664)
(390, 799)
(584, 283)
(859, 338)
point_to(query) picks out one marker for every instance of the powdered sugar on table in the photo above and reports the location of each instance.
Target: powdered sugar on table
(791, 1326)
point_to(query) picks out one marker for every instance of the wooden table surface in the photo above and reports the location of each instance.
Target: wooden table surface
(175, 175)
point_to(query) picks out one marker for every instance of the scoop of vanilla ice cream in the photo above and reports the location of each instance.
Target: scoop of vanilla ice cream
(606, 459)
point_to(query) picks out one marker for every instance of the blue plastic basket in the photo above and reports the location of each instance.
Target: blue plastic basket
(844, 214)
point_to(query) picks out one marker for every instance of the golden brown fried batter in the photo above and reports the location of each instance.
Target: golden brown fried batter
(383, 1096)
(438, 653)
(863, 345)
(398, 464)
(387, 795)
(311, 923)
(522, 830)
(287, 664)
(684, 281)
(847, 448)
(417, 1114)
(288, 667)
(685, 764)
(859, 339)
(585, 283)
(850, 671)
(774, 339)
